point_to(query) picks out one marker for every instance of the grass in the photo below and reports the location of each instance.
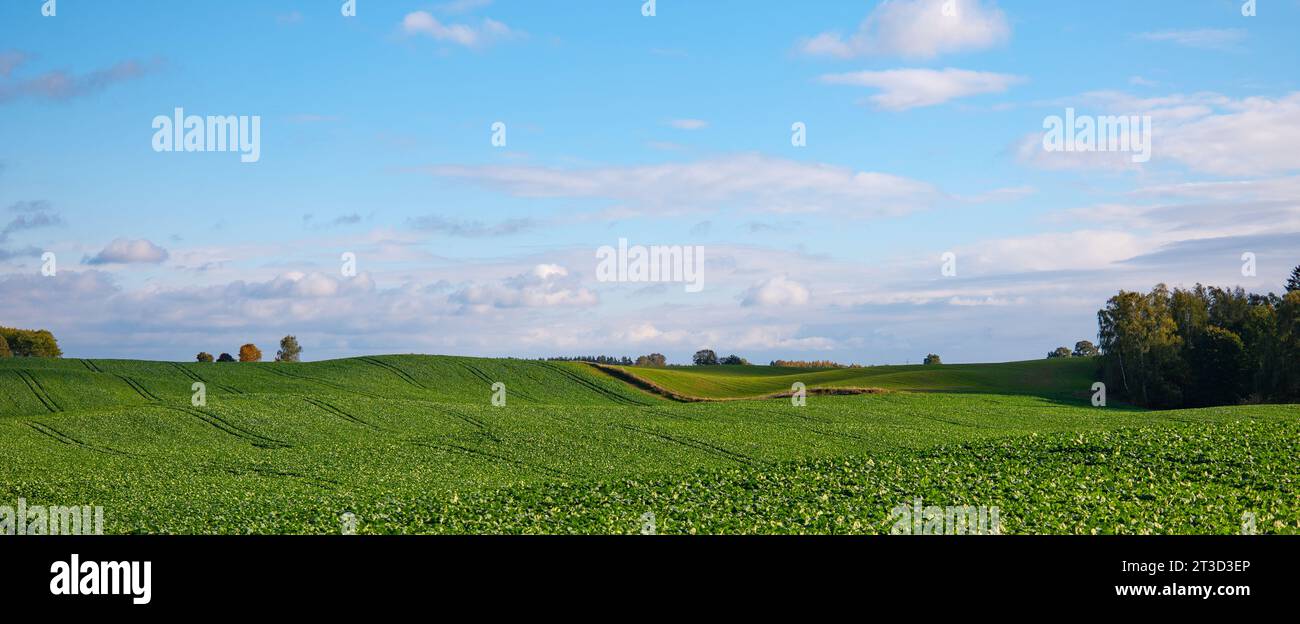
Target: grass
(413, 444)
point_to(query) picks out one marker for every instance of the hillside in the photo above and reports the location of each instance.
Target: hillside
(37, 386)
(413, 444)
(1058, 378)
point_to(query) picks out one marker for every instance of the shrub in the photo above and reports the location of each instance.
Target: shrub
(225, 357)
(1059, 352)
(203, 356)
(734, 360)
(4, 348)
(932, 359)
(1085, 348)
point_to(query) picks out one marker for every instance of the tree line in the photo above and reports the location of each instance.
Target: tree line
(290, 351)
(1083, 348)
(1202, 346)
(16, 342)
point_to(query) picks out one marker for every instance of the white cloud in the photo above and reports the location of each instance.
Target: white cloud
(778, 337)
(917, 29)
(987, 301)
(902, 89)
(1257, 136)
(777, 291)
(1205, 132)
(123, 251)
(1053, 251)
(545, 286)
(751, 180)
(547, 271)
(425, 24)
(1205, 38)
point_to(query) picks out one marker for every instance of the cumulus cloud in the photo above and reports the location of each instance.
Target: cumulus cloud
(299, 285)
(777, 291)
(423, 23)
(917, 29)
(124, 251)
(755, 181)
(902, 89)
(545, 286)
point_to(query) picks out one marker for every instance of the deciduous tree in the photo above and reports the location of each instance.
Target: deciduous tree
(289, 350)
(705, 357)
(250, 353)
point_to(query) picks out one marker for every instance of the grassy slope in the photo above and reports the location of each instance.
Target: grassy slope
(411, 442)
(38, 386)
(1065, 377)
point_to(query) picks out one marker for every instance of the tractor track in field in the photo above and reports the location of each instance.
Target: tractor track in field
(241, 471)
(199, 467)
(252, 437)
(195, 376)
(699, 445)
(37, 389)
(478, 373)
(591, 385)
(273, 369)
(951, 422)
(139, 388)
(337, 411)
(63, 438)
(401, 374)
(481, 454)
(482, 426)
(475, 371)
(91, 366)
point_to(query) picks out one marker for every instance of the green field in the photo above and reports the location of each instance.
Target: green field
(1064, 377)
(412, 444)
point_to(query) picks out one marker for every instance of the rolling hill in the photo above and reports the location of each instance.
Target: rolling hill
(1064, 377)
(414, 444)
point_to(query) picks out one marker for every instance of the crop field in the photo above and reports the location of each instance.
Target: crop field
(413, 444)
(1064, 377)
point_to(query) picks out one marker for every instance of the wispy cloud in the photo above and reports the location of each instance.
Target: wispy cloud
(1204, 38)
(31, 215)
(755, 181)
(688, 124)
(471, 229)
(61, 85)
(462, 6)
(902, 89)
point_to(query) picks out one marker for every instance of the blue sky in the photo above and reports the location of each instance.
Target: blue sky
(924, 132)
